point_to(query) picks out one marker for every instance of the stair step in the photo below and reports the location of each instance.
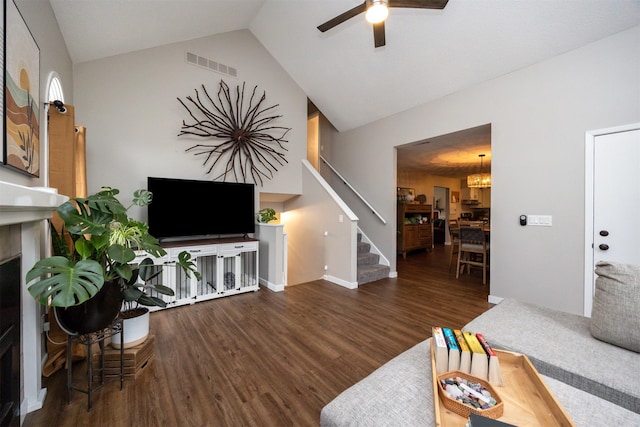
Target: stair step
(368, 258)
(369, 269)
(371, 273)
(363, 247)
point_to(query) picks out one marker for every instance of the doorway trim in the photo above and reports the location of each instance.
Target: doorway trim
(590, 138)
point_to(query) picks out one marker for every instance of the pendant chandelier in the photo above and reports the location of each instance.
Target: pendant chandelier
(479, 180)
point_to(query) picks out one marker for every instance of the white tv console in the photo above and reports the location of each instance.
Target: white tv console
(228, 266)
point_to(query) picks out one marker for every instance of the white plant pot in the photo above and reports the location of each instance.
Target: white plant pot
(136, 331)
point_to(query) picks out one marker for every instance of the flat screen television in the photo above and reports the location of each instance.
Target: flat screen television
(183, 208)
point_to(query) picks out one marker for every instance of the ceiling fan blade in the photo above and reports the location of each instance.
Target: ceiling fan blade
(378, 34)
(343, 17)
(419, 4)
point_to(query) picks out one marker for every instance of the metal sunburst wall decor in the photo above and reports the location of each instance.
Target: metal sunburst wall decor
(243, 130)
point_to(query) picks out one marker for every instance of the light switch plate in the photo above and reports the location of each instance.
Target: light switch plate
(540, 220)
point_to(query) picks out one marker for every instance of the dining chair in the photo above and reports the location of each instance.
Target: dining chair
(454, 237)
(473, 252)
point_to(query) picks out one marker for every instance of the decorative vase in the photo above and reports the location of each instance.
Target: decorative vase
(135, 328)
(94, 314)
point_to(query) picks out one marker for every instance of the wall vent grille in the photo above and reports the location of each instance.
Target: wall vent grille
(210, 64)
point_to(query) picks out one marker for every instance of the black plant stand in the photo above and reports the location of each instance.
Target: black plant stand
(88, 340)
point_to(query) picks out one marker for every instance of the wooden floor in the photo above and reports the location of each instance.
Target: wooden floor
(274, 358)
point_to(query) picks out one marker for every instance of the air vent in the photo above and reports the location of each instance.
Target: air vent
(210, 64)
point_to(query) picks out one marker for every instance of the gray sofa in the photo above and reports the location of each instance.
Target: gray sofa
(597, 383)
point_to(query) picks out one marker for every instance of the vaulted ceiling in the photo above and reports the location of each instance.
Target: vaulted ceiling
(428, 53)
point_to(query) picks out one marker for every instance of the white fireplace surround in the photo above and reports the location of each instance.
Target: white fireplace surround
(20, 204)
(29, 207)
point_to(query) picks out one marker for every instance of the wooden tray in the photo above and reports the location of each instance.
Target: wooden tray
(528, 402)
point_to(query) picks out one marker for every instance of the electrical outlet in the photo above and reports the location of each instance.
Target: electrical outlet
(540, 220)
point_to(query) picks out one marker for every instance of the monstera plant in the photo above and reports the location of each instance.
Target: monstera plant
(91, 271)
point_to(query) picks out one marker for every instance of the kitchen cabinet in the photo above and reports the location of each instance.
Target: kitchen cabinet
(486, 197)
(415, 227)
(471, 195)
(476, 197)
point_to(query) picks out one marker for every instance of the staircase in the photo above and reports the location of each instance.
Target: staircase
(369, 269)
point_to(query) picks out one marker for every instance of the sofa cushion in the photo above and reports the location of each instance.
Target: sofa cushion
(588, 410)
(560, 345)
(399, 393)
(615, 316)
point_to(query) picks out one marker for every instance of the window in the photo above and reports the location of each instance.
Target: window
(55, 89)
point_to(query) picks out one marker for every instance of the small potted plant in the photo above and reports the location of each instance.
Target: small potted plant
(90, 274)
(266, 215)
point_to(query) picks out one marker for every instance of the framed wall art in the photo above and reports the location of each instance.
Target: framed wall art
(2, 15)
(21, 147)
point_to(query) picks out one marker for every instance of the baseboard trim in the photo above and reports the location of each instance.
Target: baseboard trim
(272, 286)
(495, 300)
(30, 406)
(343, 283)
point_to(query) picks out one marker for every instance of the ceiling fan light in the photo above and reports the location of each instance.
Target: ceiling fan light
(377, 11)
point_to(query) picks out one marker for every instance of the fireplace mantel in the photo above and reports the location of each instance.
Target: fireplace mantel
(19, 204)
(28, 206)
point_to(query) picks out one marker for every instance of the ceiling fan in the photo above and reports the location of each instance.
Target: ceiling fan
(376, 12)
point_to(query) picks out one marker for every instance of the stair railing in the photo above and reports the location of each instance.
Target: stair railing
(343, 179)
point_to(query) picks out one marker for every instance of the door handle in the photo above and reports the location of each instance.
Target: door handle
(604, 233)
(603, 246)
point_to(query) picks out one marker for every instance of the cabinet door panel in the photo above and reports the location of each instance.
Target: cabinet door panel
(167, 278)
(411, 237)
(248, 269)
(229, 270)
(207, 267)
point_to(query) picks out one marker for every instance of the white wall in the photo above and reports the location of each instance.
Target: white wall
(321, 231)
(128, 104)
(539, 116)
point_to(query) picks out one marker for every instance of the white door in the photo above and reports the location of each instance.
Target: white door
(613, 231)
